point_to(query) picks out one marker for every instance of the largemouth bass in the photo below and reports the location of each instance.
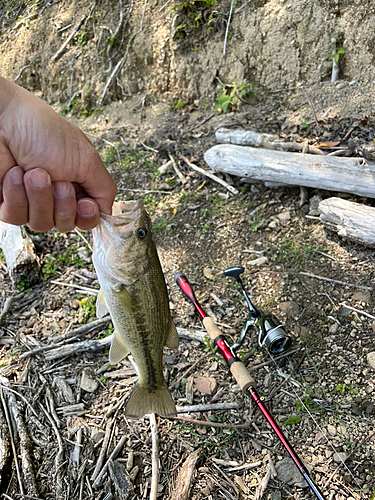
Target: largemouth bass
(134, 292)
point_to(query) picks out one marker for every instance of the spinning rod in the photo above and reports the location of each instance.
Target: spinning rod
(271, 336)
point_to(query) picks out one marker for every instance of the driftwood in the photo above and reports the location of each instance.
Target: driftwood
(351, 175)
(243, 137)
(19, 252)
(350, 220)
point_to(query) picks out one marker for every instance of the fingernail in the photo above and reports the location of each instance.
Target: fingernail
(62, 189)
(86, 208)
(16, 175)
(39, 178)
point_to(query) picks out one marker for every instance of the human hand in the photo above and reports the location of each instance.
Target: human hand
(51, 175)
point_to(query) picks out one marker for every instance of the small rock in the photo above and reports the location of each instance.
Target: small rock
(361, 296)
(340, 457)
(287, 472)
(284, 217)
(331, 429)
(314, 204)
(260, 261)
(290, 308)
(333, 328)
(371, 359)
(273, 225)
(97, 434)
(88, 384)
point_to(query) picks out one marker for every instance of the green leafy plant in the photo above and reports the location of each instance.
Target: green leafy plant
(340, 388)
(336, 56)
(293, 420)
(232, 95)
(178, 105)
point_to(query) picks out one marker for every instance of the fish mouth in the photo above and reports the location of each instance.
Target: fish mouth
(125, 215)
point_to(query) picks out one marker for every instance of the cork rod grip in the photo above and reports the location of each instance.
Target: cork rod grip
(212, 330)
(237, 369)
(242, 376)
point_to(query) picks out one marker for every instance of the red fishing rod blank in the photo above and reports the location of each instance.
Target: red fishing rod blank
(243, 378)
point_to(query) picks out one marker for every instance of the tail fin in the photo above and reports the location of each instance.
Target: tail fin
(142, 402)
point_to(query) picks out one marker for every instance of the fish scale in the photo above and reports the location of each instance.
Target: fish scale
(135, 294)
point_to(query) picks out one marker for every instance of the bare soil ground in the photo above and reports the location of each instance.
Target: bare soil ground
(326, 406)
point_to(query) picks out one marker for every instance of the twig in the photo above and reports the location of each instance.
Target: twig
(207, 407)
(357, 310)
(83, 238)
(208, 423)
(24, 442)
(15, 456)
(323, 278)
(67, 41)
(227, 29)
(84, 329)
(80, 288)
(184, 333)
(177, 170)
(276, 358)
(202, 122)
(150, 149)
(112, 456)
(242, 6)
(8, 305)
(163, 6)
(210, 176)
(121, 62)
(86, 345)
(60, 455)
(312, 107)
(20, 72)
(154, 457)
(103, 450)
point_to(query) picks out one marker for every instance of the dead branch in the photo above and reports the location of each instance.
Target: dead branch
(350, 220)
(207, 407)
(177, 170)
(112, 456)
(8, 305)
(19, 252)
(29, 480)
(5, 444)
(85, 345)
(154, 457)
(103, 450)
(210, 176)
(351, 175)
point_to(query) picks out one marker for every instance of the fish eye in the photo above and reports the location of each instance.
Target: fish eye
(142, 233)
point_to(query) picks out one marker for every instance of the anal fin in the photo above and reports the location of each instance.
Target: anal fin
(118, 350)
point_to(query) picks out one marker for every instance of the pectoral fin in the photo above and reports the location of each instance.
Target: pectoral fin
(118, 350)
(101, 305)
(172, 338)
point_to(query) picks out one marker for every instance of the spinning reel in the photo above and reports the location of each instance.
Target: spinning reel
(271, 334)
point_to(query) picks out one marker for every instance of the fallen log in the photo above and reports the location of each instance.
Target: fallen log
(19, 252)
(350, 175)
(243, 137)
(350, 220)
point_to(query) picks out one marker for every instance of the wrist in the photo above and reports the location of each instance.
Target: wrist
(8, 92)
